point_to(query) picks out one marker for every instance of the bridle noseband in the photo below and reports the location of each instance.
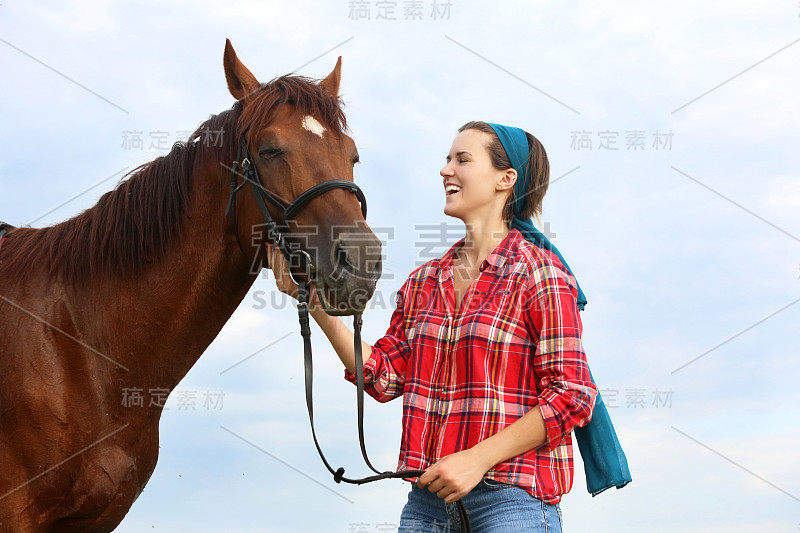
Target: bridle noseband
(245, 166)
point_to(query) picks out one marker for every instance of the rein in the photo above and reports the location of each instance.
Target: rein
(338, 474)
(245, 166)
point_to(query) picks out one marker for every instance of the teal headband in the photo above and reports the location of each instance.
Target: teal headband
(515, 143)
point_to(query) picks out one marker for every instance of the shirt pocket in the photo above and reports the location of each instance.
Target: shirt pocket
(497, 328)
(499, 301)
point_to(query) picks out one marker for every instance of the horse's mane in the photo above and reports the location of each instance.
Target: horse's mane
(135, 223)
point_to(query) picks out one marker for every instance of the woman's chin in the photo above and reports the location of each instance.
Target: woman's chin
(451, 212)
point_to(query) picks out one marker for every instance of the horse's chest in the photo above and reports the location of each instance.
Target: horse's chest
(95, 494)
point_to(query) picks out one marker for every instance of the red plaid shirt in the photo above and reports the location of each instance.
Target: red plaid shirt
(514, 343)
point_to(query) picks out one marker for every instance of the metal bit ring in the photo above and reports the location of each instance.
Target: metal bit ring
(310, 269)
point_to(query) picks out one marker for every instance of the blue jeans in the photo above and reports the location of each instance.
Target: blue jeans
(492, 507)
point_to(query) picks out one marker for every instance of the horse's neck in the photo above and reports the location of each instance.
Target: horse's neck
(168, 315)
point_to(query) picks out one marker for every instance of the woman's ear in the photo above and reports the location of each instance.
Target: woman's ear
(507, 180)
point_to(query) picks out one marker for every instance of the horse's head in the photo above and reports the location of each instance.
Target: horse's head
(295, 131)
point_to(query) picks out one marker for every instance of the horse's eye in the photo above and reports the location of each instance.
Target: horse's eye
(270, 153)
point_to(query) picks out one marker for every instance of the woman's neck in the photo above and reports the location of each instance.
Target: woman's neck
(481, 239)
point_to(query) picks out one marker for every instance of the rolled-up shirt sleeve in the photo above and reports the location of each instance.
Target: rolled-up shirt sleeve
(385, 370)
(567, 394)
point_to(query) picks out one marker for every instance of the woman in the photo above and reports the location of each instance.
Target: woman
(485, 347)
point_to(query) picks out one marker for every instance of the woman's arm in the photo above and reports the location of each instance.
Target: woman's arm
(566, 392)
(340, 337)
(452, 477)
(525, 434)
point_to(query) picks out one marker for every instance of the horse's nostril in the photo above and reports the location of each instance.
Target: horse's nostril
(355, 255)
(341, 253)
(342, 257)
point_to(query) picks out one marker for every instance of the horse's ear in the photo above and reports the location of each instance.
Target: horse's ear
(241, 81)
(331, 83)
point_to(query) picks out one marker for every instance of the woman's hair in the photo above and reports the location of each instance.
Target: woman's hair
(538, 166)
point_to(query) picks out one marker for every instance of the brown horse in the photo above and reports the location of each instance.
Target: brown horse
(128, 294)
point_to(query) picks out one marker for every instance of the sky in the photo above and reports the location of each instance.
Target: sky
(671, 134)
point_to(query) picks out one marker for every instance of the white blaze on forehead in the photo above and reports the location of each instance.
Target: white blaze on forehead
(313, 125)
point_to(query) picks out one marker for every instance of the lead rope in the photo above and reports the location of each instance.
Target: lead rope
(338, 474)
(360, 388)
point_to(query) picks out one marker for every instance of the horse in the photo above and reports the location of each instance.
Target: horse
(128, 294)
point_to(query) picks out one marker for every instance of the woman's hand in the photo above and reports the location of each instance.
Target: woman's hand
(452, 477)
(280, 268)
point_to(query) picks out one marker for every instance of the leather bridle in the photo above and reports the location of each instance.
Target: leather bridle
(246, 167)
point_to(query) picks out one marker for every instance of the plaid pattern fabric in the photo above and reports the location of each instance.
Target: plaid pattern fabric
(514, 343)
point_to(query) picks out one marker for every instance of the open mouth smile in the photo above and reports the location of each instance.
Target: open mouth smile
(452, 189)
